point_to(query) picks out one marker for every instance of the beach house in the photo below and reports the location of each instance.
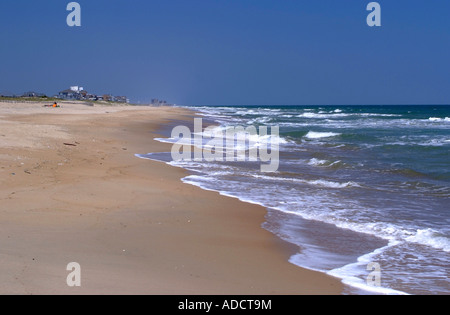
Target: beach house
(79, 93)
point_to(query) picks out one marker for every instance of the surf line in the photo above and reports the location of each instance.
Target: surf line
(233, 143)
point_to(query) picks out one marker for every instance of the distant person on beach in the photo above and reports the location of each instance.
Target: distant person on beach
(54, 105)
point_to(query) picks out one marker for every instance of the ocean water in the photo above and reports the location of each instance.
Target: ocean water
(363, 191)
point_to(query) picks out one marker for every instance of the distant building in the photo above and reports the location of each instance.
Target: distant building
(68, 94)
(7, 94)
(79, 93)
(121, 99)
(91, 97)
(108, 98)
(157, 102)
(77, 88)
(33, 94)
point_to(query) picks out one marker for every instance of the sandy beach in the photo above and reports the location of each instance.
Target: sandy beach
(72, 190)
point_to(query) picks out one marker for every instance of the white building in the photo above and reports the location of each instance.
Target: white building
(76, 88)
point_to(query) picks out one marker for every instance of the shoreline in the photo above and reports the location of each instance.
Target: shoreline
(132, 224)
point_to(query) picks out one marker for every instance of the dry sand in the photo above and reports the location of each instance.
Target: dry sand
(130, 223)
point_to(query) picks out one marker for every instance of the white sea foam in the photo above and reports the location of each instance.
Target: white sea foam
(322, 115)
(318, 135)
(317, 182)
(252, 138)
(430, 237)
(322, 163)
(330, 184)
(350, 274)
(377, 115)
(317, 162)
(339, 114)
(309, 115)
(244, 139)
(437, 119)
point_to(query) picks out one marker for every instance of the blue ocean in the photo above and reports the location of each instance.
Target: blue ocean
(356, 185)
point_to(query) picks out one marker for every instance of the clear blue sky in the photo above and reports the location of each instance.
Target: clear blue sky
(231, 51)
